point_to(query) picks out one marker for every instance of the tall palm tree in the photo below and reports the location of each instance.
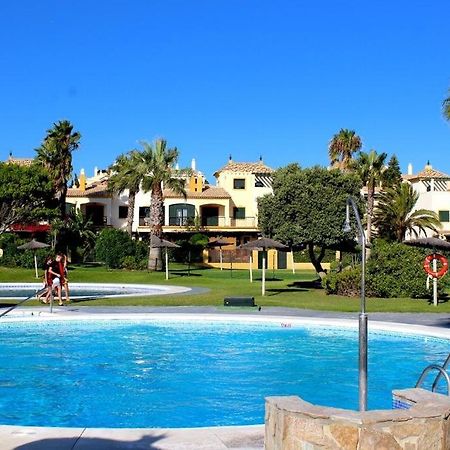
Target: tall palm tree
(55, 154)
(394, 215)
(342, 146)
(370, 168)
(157, 162)
(126, 174)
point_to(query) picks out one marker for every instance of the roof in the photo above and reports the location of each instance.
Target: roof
(245, 167)
(208, 192)
(20, 161)
(99, 189)
(427, 172)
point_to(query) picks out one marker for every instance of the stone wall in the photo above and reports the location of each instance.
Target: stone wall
(292, 423)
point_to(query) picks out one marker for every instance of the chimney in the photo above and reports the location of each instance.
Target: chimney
(410, 169)
(82, 180)
(95, 171)
(193, 164)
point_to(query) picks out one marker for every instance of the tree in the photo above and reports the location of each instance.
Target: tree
(82, 233)
(446, 108)
(370, 168)
(341, 148)
(25, 194)
(395, 215)
(392, 175)
(157, 162)
(307, 208)
(55, 154)
(127, 174)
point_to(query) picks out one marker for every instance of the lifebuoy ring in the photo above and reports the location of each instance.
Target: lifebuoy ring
(427, 265)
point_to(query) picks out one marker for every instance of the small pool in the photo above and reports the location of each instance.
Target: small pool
(91, 290)
(146, 373)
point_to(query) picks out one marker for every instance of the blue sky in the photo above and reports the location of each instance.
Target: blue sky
(220, 77)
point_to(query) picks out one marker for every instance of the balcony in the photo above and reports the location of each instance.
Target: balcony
(206, 222)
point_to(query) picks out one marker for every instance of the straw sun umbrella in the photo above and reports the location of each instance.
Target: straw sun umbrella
(156, 242)
(219, 243)
(434, 244)
(33, 245)
(264, 244)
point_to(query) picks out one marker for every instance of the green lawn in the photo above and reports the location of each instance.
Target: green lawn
(283, 288)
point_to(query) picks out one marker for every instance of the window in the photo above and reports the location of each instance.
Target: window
(123, 212)
(144, 211)
(239, 183)
(239, 213)
(181, 214)
(444, 216)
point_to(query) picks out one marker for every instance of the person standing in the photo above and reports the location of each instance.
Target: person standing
(56, 279)
(62, 262)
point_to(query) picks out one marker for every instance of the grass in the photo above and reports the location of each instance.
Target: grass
(283, 288)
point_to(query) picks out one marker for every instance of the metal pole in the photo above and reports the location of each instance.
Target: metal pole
(35, 265)
(250, 268)
(167, 265)
(293, 263)
(221, 260)
(435, 280)
(263, 287)
(51, 298)
(363, 319)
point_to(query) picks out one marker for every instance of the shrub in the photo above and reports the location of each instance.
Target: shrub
(393, 270)
(13, 257)
(112, 246)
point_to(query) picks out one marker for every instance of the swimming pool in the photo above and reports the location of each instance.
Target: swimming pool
(135, 373)
(92, 290)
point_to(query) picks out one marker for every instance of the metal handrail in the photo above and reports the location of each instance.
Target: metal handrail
(439, 375)
(442, 372)
(40, 291)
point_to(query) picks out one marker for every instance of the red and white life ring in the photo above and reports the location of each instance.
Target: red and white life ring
(427, 265)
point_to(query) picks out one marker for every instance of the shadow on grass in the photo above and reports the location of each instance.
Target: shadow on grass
(275, 291)
(312, 284)
(91, 443)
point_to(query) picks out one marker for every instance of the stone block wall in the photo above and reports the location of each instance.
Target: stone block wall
(294, 424)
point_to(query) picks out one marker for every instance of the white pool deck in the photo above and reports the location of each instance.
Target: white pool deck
(211, 438)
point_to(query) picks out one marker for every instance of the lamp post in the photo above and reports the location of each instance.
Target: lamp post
(362, 373)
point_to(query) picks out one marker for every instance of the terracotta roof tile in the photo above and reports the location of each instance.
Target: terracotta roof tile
(209, 192)
(246, 167)
(93, 190)
(429, 173)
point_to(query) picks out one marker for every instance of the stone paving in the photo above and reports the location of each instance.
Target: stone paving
(220, 438)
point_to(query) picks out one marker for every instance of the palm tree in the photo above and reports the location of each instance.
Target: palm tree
(446, 108)
(370, 168)
(342, 146)
(55, 154)
(126, 175)
(83, 232)
(157, 162)
(394, 215)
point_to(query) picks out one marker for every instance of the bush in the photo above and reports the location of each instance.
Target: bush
(13, 257)
(393, 270)
(112, 246)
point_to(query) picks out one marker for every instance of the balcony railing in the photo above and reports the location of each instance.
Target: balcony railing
(206, 222)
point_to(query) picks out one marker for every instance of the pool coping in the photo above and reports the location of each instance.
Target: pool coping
(208, 438)
(141, 289)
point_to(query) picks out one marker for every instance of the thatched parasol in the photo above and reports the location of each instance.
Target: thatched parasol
(33, 245)
(156, 242)
(219, 243)
(263, 244)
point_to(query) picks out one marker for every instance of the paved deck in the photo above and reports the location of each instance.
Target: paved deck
(215, 438)
(219, 438)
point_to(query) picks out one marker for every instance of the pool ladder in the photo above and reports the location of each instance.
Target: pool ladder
(40, 291)
(442, 372)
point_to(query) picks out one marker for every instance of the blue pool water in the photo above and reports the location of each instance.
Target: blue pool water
(169, 374)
